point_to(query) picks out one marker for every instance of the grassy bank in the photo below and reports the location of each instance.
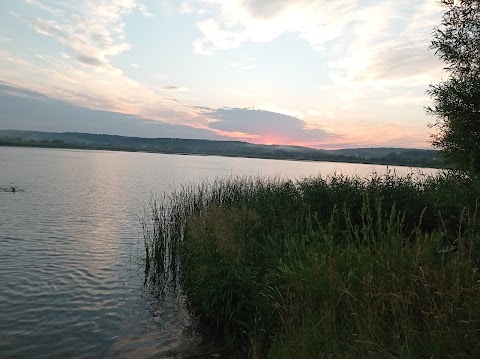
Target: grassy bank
(326, 267)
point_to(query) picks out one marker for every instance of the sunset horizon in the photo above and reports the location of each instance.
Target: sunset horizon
(318, 74)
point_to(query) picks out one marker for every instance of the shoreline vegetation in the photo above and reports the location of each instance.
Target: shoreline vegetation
(335, 267)
(87, 141)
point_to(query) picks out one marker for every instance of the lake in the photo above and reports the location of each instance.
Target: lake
(70, 239)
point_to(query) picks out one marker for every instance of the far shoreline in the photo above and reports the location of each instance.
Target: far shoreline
(111, 149)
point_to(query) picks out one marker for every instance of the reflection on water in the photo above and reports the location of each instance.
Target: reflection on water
(70, 241)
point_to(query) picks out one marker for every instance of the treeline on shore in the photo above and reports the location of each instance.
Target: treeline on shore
(332, 267)
(388, 156)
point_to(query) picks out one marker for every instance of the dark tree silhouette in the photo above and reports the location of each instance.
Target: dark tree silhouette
(456, 101)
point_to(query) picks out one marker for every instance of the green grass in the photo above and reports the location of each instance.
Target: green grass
(326, 267)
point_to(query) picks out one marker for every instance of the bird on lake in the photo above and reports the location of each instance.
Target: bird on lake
(13, 190)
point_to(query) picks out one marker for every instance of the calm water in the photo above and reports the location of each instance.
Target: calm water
(69, 238)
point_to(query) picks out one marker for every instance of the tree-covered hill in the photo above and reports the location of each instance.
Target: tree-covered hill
(393, 156)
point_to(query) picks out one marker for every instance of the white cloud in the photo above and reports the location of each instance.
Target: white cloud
(4, 39)
(232, 23)
(144, 10)
(242, 65)
(185, 8)
(94, 30)
(94, 33)
(365, 42)
(401, 55)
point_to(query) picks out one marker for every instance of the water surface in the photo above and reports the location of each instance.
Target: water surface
(70, 239)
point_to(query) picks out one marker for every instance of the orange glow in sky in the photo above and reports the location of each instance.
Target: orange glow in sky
(318, 73)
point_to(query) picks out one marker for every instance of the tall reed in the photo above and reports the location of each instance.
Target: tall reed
(326, 267)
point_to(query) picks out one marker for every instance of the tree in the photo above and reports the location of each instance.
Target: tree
(456, 101)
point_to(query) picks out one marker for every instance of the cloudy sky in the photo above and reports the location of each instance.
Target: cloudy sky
(319, 73)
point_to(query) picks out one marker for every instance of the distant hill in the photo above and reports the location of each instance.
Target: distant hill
(380, 152)
(392, 156)
(377, 151)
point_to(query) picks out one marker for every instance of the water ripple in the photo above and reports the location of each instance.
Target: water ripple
(69, 239)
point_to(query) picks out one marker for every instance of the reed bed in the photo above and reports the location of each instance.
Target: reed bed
(337, 267)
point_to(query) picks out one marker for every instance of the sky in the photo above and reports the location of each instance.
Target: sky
(321, 73)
